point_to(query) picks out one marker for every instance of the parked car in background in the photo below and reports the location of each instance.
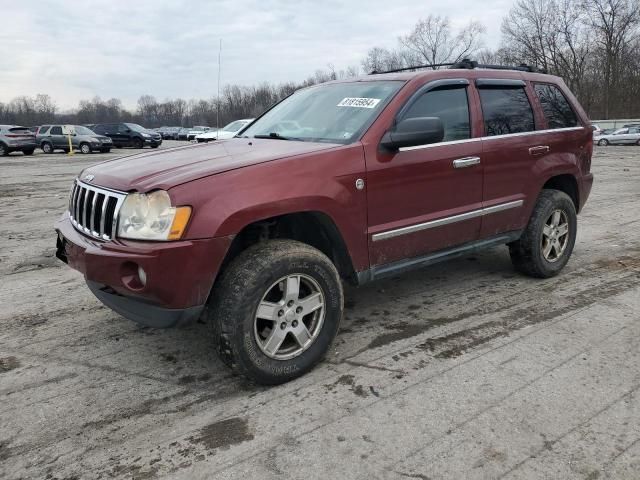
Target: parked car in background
(183, 133)
(195, 131)
(347, 181)
(129, 135)
(51, 137)
(596, 129)
(14, 138)
(229, 131)
(622, 136)
(170, 133)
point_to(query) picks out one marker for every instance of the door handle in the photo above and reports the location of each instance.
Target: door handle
(466, 162)
(539, 150)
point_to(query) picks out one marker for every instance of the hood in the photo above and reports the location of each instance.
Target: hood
(167, 168)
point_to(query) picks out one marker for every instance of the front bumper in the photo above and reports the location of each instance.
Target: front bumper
(153, 141)
(179, 275)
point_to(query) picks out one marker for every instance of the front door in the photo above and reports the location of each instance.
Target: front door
(427, 198)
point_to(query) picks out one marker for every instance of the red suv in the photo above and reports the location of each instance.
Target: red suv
(353, 180)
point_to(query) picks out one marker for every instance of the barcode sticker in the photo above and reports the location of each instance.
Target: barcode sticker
(359, 102)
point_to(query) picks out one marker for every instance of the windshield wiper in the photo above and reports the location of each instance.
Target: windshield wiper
(275, 135)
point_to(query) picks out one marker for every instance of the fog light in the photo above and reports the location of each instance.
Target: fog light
(142, 275)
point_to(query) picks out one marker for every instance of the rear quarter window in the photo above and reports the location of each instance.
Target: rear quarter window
(506, 110)
(555, 106)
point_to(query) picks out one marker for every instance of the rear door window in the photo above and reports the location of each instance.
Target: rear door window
(56, 130)
(505, 110)
(448, 104)
(555, 106)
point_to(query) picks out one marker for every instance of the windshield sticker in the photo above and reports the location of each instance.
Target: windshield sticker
(359, 102)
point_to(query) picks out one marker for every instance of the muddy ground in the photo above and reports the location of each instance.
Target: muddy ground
(463, 370)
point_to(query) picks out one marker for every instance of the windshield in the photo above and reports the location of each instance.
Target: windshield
(83, 130)
(234, 126)
(334, 113)
(135, 127)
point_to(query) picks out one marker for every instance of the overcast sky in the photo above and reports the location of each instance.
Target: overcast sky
(75, 50)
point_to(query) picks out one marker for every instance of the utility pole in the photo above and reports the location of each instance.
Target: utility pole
(218, 100)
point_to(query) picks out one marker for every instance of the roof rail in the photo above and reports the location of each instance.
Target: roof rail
(466, 64)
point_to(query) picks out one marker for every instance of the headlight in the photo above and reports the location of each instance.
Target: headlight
(145, 135)
(151, 217)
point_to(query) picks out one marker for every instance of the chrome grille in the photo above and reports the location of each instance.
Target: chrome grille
(94, 210)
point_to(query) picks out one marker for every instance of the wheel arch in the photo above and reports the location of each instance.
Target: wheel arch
(567, 183)
(314, 228)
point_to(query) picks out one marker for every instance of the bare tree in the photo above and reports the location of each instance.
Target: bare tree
(615, 25)
(434, 42)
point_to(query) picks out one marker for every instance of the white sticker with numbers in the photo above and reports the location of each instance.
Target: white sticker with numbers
(359, 102)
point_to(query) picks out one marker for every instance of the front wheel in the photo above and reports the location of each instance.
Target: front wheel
(603, 143)
(85, 148)
(547, 242)
(29, 151)
(276, 310)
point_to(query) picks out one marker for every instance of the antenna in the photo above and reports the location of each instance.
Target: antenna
(218, 101)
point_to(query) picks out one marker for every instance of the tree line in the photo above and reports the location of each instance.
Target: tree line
(593, 44)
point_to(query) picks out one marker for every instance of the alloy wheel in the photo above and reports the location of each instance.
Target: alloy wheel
(289, 317)
(555, 236)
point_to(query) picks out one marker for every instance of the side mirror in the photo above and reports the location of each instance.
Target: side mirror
(414, 131)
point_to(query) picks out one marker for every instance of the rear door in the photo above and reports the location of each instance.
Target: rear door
(57, 138)
(510, 147)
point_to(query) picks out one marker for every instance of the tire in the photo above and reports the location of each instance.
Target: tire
(85, 148)
(29, 151)
(258, 274)
(155, 146)
(4, 151)
(529, 253)
(137, 143)
(46, 147)
(603, 143)
(638, 143)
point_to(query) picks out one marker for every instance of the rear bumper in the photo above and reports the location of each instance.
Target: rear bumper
(19, 145)
(179, 275)
(587, 184)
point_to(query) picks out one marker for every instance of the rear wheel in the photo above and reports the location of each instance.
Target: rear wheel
(85, 148)
(28, 151)
(603, 143)
(137, 143)
(547, 242)
(4, 151)
(275, 310)
(46, 147)
(638, 143)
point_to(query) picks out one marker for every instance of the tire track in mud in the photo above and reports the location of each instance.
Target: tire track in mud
(625, 271)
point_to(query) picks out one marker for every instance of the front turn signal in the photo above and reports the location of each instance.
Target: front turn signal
(180, 221)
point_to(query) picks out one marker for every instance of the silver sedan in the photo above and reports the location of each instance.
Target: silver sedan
(622, 136)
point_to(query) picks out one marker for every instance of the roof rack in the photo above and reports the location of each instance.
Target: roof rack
(466, 64)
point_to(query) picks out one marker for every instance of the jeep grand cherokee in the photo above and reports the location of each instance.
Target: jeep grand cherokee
(352, 180)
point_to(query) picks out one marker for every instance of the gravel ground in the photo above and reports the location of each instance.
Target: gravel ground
(463, 370)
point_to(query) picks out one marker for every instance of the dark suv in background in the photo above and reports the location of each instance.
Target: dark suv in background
(16, 139)
(129, 135)
(51, 137)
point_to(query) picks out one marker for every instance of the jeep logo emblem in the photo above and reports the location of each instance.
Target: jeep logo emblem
(89, 177)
